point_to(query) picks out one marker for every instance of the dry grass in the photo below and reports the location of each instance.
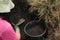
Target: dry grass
(50, 12)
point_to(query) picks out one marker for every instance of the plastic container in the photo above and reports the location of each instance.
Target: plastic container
(33, 26)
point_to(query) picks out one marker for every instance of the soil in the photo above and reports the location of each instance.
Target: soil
(34, 31)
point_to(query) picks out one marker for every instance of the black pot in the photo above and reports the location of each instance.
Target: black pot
(32, 24)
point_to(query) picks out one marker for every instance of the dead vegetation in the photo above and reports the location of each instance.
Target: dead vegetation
(49, 10)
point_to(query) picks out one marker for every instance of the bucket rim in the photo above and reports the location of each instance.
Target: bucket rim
(31, 35)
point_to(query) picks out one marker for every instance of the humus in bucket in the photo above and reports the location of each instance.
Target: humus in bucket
(35, 29)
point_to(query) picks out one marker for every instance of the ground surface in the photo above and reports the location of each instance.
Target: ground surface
(21, 11)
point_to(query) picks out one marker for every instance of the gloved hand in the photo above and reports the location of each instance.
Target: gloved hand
(17, 32)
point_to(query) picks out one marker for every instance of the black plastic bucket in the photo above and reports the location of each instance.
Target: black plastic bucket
(35, 29)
